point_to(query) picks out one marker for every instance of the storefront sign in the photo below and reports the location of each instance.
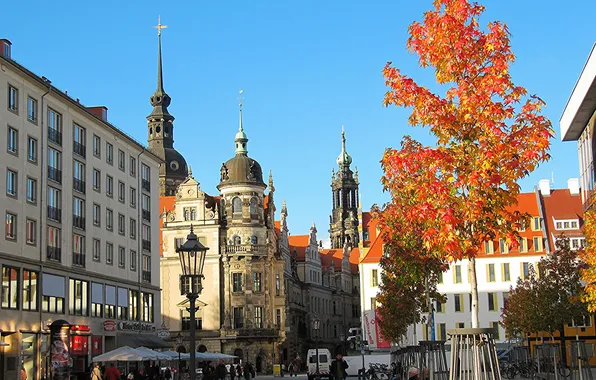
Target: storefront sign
(135, 326)
(60, 351)
(79, 344)
(96, 345)
(109, 325)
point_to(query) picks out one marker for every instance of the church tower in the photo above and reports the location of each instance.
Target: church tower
(343, 223)
(161, 134)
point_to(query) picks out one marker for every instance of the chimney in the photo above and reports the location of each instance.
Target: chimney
(544, 185)
(100, 112)
(5, 47)
(573, 186)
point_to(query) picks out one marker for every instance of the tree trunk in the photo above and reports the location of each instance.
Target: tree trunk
(474, 284)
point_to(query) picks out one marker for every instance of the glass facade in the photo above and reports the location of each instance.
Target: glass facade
(585, 147)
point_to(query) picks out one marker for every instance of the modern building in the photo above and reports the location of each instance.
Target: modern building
(498, 266)
(80, 241)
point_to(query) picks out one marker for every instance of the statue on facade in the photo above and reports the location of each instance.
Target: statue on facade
(224, 173)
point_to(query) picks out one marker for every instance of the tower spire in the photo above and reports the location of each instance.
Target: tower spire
(160, 100)
(241, 138)
(344, 159)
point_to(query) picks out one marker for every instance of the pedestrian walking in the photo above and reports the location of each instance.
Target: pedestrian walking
(338, 368)
(96, 373)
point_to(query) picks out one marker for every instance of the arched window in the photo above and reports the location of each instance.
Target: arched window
(254, 240)
(237, 206)
(253, 207)
(236, 240)
(193, 214)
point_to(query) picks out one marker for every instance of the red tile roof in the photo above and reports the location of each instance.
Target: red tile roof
(168, 203)
(298, 243)
(562, 205)
(277, 227)
(327, 255)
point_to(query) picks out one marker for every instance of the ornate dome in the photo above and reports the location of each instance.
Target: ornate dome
(344, 159)
(175, 164)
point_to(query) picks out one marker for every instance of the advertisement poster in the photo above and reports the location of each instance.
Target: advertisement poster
(373, 332)
(60, 355)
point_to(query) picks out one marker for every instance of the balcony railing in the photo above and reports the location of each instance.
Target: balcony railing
(55, 174)
(54, 253)
(146, 276)
(78, 259)
(147, 215)
(146, 185)
(147, 245)
(55, 135)
(257, 332)
(78, 185)
(246, 249)
(55, 213)
(79, 149)
(78, 221)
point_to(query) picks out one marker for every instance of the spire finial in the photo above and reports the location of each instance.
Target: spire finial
(241, 138)
(189, 171)
(191, 228)
(159, 27)
(344, 158)
(271, 187)
(240, 100)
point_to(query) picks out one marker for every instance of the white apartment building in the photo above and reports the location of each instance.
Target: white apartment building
(81, 243)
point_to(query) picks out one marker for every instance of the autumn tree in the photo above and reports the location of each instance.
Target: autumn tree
(588, 256)
(489, 134)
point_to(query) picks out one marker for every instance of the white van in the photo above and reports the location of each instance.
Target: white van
(325, 360)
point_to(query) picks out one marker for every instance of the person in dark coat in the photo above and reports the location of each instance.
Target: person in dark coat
(221, 371)
(338, 368)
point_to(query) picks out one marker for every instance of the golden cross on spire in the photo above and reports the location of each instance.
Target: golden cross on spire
(240, 98)
(159, 27)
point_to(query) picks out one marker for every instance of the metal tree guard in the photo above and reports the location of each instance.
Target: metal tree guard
(548, 360)
(410, 358)
(473, 355)
(433, 359)
(580, 361)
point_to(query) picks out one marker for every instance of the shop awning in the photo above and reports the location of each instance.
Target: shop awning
(142, 340)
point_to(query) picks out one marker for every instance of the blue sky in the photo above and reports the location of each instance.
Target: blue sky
(306, 67)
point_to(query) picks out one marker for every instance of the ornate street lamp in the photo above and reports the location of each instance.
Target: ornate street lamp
(316, 326)
(192, 260)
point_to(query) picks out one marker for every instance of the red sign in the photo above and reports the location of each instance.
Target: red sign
(381, 342)
(79, 328)
(79, 344)
(109, 325)
(96, 345)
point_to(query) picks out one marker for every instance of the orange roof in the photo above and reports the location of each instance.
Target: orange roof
(562, 205)
(375, 252)
(277, 227)
(327, 255)
(298, 243)
(168, 203)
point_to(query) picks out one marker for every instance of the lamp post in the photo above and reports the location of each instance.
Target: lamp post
(192, 260)
(316, 326)
(179, 341)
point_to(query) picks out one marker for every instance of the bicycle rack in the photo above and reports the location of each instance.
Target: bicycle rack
(473, 355)
(410, 358)
(548, 357)
(433, 359)
(580, 363)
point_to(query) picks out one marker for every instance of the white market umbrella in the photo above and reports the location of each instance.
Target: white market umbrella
(154, 355)
(122, 354)
(210, 356)
(173, 355)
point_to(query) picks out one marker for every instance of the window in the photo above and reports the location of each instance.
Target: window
(13, 99)
(31, 190)
(54, 204)
(30, 290)
(133, 260)
(31, 109)
(121, 257)
(253, 208)
(145, 177)
(96, 215)
(373, 303)
(506, 274)
(11, 226)
(109, 219)
(121, 160)
(78, 176)
(495, 327)
(96, 250)
(256, 276)
(503, 246)
(79, 140)
(277, 285)
(109, 153)
(538, 244)
(577, 243)
(365, 234)
(146, 206)
(109, 186)
(237, 206)
(460, 325)
(457, 275)
(132, 166)
(439, 307)
(490, 273)
(146, 231)
(11, 183)
(78, 213)
(535, 223)
(442, 331)
(54, 165)
(459, 302)
(574, 224)
(31, 231)
(278, 317)
(134, 305)
(440, 278)
(259, 317)
(147, 307)
(96, 300)
(133, 197)
(492, 301)
(525, 270)
(488, 248)
(96, 146)
(54, 244)
(54, 126)
(375, 278)
(122, 304)
(121, 223)
(31, 149)
(10, 288)
(236, 282)
(78, 299)
(12, 141)
(133, 228)
(109, 253)
(523, 245)
(185, 321)
(110, 309)
(238, 318)
(96, 180)
(146, 268)
(78, 250)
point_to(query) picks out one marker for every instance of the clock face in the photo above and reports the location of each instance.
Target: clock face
(174, 165)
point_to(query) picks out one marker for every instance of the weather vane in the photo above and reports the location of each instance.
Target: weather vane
(240, 98)
(159, 27)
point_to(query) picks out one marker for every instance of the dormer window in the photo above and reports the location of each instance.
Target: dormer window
(568, 224)
(365, 234)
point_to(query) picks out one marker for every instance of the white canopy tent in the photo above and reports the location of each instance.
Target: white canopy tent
(155, 355)
(123, 354)
(209, 356)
